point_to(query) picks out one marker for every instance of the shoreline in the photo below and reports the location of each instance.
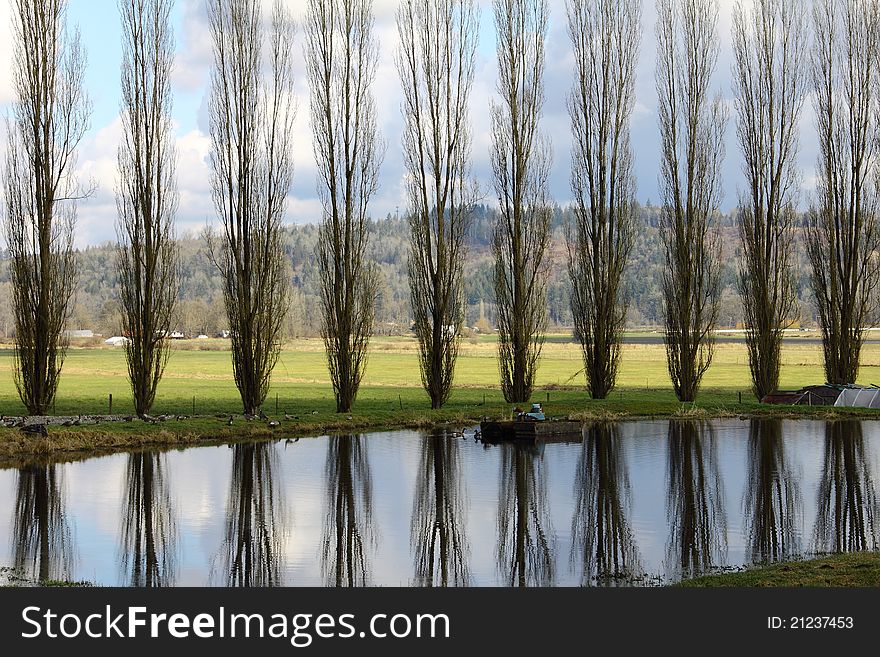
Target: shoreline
(75, 443)
(845, 570)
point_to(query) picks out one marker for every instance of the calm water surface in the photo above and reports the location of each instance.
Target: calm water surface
(632, 503)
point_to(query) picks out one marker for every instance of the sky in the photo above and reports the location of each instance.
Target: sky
(98, 21)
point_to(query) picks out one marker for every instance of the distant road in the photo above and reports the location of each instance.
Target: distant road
(657, 338)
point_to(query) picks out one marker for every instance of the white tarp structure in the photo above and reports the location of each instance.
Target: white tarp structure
(859, 397)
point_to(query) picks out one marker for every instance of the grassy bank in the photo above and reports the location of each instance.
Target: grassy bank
(856, 569)
(198, 383)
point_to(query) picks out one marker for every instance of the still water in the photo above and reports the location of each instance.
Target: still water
(642, 502)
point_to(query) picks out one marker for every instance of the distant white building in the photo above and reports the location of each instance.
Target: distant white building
(79, 333)
(116, 341)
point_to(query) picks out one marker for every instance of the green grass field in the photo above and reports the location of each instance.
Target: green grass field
(202, 371)
(852, 569)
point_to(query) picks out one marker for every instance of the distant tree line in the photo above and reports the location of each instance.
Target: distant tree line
(449, 265)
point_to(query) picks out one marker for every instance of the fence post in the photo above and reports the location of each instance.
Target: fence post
(194, 405)
(111, 404)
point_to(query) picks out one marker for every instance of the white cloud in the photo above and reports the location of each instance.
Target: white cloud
(193, 61)
(193, 58)
(6, 91)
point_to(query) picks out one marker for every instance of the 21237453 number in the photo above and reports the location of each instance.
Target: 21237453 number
(810, 623)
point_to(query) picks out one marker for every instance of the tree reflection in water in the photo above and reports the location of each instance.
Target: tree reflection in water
(847, 501)
(602, 539)
(348, 519)
(440, 547)
(256, 523)
(42, 539)
(771, 501)
(148, 537)
(524, 551)
(694, 501)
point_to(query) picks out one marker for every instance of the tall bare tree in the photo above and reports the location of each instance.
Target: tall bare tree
(436, 63)
(520, 158)
(48, 120)
(146, 197)
(341, 56)
(605, 37)
(769, 83)
(251, 117)
(842, 234)
(692, 148)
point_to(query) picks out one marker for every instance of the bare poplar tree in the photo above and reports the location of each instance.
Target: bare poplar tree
(146, 197)
(605, 37)
(842, 234)
(251, 116)
(520, 158)
(341, 56)
(436, 64)
(48, 120)
(769, 84)
(692, 149)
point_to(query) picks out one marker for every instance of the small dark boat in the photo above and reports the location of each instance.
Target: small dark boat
(531, 426)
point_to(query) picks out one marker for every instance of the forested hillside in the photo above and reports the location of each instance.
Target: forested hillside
(201, 308)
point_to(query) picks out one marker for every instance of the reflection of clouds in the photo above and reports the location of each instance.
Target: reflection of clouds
(191, 75)
(198, 480)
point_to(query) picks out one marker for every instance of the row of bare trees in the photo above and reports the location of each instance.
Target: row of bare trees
(252, 109)
(771, 80)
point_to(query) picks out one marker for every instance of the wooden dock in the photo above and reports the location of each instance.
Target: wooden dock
(547, 431)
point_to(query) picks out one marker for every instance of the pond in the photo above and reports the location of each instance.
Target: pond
(632, 503)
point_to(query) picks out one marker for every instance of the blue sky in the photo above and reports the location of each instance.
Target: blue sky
(99, 23)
